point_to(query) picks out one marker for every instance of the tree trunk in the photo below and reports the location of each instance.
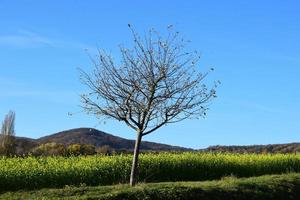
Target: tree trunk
(134, 167)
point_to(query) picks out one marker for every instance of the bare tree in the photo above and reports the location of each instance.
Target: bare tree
(155, 83)
(7, 140)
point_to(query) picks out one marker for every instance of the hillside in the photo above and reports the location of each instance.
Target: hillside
(93, 137)
(270, 148)
(99, 138)
(24, 145)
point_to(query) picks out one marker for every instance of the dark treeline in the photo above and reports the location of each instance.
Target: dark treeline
(271, 148)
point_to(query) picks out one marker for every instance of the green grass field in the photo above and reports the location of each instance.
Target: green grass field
(275, 187)
(56, 172)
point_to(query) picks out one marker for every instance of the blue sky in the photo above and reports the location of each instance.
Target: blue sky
(254, 47)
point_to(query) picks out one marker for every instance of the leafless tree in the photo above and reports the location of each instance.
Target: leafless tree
(155, 83)
(7, 140)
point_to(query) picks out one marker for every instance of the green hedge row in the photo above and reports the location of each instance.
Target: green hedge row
(280, 187)
(268, 187)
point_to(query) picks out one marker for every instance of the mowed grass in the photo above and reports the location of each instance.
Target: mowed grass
(275, 187)
(54, 172)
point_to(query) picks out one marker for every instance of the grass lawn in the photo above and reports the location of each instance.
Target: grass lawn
(285, 187)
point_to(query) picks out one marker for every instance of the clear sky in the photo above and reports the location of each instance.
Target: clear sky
(254, 47)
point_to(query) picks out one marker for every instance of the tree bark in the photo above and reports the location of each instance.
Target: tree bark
(134, 167)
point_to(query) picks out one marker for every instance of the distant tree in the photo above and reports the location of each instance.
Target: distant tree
(81, 149)
(7, 137)
(74, 149)
(88, 149)
(155, 84)
(49, 149)
(105, 149)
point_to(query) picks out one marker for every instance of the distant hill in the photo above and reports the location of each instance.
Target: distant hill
(93, 137)
(24, 145)
(270, 148)
(99, 138)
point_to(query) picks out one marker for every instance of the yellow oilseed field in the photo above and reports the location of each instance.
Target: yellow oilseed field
(37, 172)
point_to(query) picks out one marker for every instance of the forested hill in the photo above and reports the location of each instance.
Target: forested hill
(270, 148)
(96, 138)
(99, 138)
